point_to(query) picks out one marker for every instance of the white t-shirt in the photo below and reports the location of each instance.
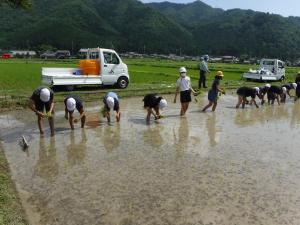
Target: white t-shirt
(184, 83)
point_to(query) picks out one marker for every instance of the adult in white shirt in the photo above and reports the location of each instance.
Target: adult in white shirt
(184, 88)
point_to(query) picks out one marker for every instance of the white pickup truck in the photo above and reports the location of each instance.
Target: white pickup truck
(269, 69)
(108, 70)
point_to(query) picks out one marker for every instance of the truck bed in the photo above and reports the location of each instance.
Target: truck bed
(65, 76)
(256, 76)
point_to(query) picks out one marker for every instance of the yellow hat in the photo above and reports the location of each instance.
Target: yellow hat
(220, 74)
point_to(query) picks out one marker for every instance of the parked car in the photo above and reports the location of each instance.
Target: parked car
(6, 56)
(60, 54)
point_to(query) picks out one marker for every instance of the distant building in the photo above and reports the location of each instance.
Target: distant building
(228, 59)
(22, 53)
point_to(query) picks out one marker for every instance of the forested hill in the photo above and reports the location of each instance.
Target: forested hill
(129, 25)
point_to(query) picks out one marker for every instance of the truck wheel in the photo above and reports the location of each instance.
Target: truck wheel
(69, 87)
(282, 78)
(122, 82)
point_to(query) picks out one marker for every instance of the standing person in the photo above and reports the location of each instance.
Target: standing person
(297, 79)
(153, 104)
(245, 92)
(184, 87)
(214, 92)
(273, 93)
(203, 71)
(42, 100)
(72, 103)
(111, 102)
(263, 91)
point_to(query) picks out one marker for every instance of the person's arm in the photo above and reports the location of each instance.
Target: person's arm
(288, 92)
(51, 108)
(82, 114)
(220, 90)
(278, 101)
(176, 93)
(66, 113)
(108, 116)
(32, 107)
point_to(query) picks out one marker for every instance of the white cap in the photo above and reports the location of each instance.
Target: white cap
(182, 70)
(284, 90)
(268, 85)
(163, 104)
(71, 104)
(256, 89)
(110, 102)
(294, 85)
(45, 95)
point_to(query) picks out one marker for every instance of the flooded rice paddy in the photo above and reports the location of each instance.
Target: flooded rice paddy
(228, 167)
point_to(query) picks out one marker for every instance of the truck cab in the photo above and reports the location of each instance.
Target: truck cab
(101, 67)
(269, 69)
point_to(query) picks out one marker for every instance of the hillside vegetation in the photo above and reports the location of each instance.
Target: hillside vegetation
(129, 25)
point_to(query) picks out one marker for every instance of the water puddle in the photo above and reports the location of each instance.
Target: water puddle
(228, 167)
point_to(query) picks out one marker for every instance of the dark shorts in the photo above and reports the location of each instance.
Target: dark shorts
(241, 92)
(185, 96)
(212, 96)
(271, 95)
(41, 106)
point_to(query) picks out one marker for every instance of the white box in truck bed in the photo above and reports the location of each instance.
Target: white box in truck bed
(65, 76)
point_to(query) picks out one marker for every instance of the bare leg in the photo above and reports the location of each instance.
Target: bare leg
(40, 124)
(208, 106)
(186, 107)
(71, 122)
(51, 124)
(244, 102)
(148, 115)
(214, 106)
(83, 121)
(240, 99)
(182, 109)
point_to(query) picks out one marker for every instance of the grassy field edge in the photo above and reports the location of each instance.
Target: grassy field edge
(11, 211)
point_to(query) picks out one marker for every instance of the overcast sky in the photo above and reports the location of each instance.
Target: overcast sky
(285, 8)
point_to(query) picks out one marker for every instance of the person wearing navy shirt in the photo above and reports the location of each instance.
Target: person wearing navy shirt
(42, 100)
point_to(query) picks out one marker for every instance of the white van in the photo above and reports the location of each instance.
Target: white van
(102, 67)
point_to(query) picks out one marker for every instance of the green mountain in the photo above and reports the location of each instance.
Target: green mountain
(236, 32)
(187, 14)
(129, 25)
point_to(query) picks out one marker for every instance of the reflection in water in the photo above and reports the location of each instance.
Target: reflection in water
(182, 139)
(111, 137)
(211, 129)
(152, 136)
(47, 166)
(295, 115)
(76, 152)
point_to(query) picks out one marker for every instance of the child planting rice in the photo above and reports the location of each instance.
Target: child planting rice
(245, 92)
(153, 104)
(214, 92)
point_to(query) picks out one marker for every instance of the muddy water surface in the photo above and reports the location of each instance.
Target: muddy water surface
(229, 167)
